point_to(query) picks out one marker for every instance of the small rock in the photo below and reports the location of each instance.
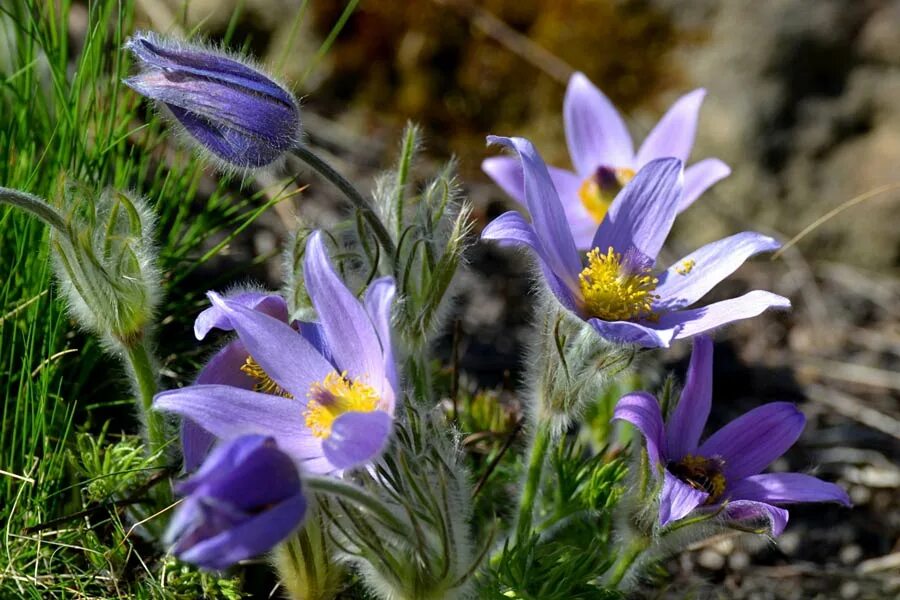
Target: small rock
(789, 542)
(851, 554)
(710, 559)
(849, 589)
(739, 561)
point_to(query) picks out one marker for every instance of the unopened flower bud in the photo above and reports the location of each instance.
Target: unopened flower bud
(105, 261)
(230, 109)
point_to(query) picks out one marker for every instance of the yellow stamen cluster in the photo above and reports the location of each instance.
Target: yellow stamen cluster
(612, 293)
(701, 473)
(265, 384)
(686, 267)
(597, 192)
(335, 395)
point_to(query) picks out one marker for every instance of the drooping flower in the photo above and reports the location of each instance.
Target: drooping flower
(604, 159)
(235, 111)
(617, 291)
(726, 469)
(246, 498)
(324, 391)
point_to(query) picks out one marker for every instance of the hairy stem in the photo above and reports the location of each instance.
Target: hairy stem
(358, 496)
(532, 480)
(352, 194)
(626, 560)
(36, 206)
(144, 376)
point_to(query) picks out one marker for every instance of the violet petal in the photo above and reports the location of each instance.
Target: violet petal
(595, 132)
(642, 410)
(689, 279)
(685, 425)
(751, 442)
(673, 135)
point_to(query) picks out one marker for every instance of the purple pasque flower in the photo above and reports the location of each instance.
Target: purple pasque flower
(724, 472)
(604, 159)
(245, 498)
(617, 292)
(236, 112)
(324, 391)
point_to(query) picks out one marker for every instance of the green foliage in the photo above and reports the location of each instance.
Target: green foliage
(65, 114)
(570, 550)
(430, 226)
(421, 476)
(111, 468)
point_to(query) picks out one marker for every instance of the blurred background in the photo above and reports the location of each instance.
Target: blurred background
(803, 103)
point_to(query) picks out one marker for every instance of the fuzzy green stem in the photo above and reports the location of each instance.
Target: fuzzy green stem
(532, 480)
(358, 496)
(626, 560)
(145, 380)
(352, 194)
(34, 205)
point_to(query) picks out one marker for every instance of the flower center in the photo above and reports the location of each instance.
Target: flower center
(599, 190)
(614, 291)
(264, 383)
(335, 395)
(701, 473)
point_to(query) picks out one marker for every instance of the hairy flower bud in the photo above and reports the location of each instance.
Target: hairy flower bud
(105, 262)
(234, 111)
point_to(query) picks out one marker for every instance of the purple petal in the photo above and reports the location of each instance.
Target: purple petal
(215, 318)
(156, 51)
(708, 318)
(228, 412)
(248, 471)
(291, 361)
(547, 215)
(754, 440)
(693, 276)
(673, 136)
(348, 329)
(678, 499)
(223, 368)
(700, 177)
(231, 145)
(642, 410)
(196, 443)
(506, 172)
(643, 212)
(787, 488)
(626, 332)
(379, 301)
(595, 132)
(743, 510)
(685, 425)
(313, 333)
(266, 119)
(357, 438)
(511, 229)
(256, 536)
(581, 223)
